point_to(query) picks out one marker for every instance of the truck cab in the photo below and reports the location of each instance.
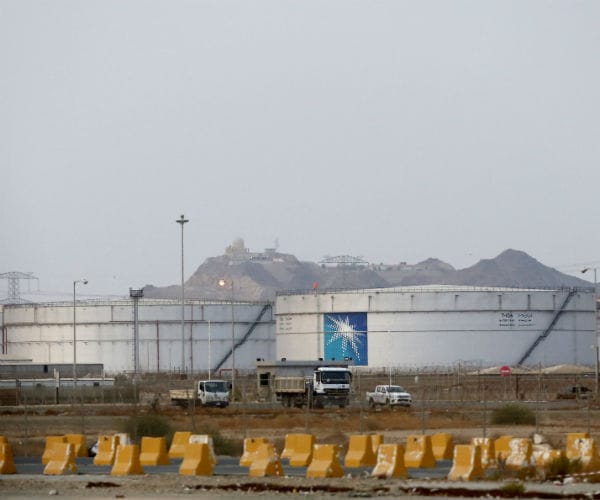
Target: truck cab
(330, 386)
(204, 392)
(214, 393)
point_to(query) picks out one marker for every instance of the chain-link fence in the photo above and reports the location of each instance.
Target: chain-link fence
(452, 385)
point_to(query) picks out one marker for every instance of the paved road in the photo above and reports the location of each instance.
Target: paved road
(227, 466)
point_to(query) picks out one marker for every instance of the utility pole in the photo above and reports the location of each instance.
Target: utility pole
(182, 220)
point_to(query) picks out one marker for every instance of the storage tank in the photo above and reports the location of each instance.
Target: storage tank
(105, 334)
(438, 326)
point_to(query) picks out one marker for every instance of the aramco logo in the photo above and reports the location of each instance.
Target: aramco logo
(346, 337)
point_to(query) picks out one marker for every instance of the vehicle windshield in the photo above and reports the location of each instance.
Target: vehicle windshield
(396, 388)
(335, 377)
(215, 386)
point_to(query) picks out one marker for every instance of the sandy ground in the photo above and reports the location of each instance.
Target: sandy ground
(174, 486)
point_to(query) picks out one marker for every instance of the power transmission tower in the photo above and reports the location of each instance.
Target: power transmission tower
(14, 289)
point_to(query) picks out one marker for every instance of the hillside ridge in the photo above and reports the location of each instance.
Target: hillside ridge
(259, 276)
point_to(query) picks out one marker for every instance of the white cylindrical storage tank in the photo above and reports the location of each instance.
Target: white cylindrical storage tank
(105, 334)
(439, 325)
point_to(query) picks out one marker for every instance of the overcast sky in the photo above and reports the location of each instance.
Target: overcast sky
(392, 130)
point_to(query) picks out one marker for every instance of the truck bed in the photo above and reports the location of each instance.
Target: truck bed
(182, 394)
(289, 385)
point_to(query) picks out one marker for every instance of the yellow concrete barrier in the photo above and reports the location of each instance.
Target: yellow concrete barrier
(360, 452)
(293, 441)
(250, 447)
(467, 463)
(107, 449)
(303, 450)
(588, 454)
(154, 451)
(298, 449)
(7, 463)
(502, 447)
(442, 446)
(419, 454)
(196, 460)
(488, 451)
(390, 461)
(208, 440)
(520, 454)
(265, 462)
(572, 448)
(127, 461)
(50, 442)
(124, 438)
(376, 440)
(289, 445)
(62, 459)
(543, 455)
(179, 443)
(325, 462)
(78, 441)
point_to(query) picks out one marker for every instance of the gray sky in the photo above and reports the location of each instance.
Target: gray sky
(394, 130)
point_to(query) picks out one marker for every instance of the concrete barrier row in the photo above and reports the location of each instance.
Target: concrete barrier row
(322, 460)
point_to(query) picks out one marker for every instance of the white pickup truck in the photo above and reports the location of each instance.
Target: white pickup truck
(389, 395)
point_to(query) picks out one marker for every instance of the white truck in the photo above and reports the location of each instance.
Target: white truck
(206, 393)
(300, 383)
(389, 395)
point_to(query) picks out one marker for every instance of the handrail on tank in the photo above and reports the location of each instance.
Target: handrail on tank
(431, 288)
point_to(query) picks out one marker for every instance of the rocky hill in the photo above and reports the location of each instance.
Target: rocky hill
(259, 276)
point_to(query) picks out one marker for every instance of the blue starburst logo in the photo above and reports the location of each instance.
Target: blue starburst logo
(346, 337)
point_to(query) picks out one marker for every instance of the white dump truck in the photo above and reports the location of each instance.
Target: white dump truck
(389, 395)
(205, 393)
(300, 383)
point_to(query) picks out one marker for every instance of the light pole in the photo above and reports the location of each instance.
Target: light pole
(83, 281)
(223, 283)
(595, 346)
(182, 220)
(390, 354)
(209, 361)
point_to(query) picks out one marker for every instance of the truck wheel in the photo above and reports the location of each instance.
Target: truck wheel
(371, 403)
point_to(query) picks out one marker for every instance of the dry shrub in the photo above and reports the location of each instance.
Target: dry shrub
(513, 414)
(138, 426)
(562, 466)
(223, 445)
(514, 489)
